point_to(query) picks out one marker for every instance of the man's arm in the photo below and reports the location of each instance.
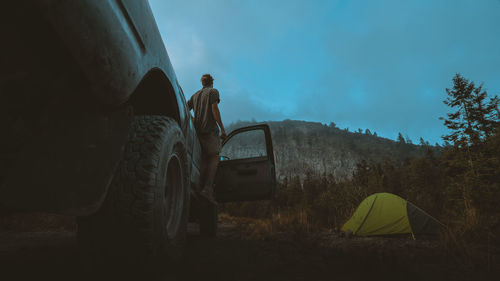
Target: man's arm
(216, 115)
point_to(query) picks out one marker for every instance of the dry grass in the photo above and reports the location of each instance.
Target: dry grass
(294, 223)
(470, 242)
(37, 222)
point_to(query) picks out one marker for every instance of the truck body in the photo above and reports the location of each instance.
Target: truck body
(74, 74)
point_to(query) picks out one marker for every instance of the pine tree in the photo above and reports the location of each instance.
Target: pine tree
(401, 139)
(473, 160)
(408, 140)
(474, 118)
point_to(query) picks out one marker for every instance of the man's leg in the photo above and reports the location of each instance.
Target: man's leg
(203, 171)
(212, 146)
(212, 163)
(211, 170)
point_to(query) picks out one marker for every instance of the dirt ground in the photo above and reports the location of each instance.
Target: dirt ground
(233, 255)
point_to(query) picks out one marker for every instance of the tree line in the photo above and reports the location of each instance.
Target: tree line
(459, 185)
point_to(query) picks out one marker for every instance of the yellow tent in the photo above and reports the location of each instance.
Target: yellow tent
(386, 213)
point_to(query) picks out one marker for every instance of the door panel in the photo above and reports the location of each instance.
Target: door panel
(246, 171)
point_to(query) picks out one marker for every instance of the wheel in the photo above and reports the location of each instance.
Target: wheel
(208, 219)
(145, 212)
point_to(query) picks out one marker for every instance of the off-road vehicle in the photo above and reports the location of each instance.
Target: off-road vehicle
(95, 125)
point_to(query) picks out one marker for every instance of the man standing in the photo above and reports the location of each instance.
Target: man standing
(204, 103)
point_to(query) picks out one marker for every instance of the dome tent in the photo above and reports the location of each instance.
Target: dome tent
(386, 213)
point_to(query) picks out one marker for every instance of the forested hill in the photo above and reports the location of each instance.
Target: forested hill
(302, 147)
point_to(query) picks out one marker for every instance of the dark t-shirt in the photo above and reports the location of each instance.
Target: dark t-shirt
(201, 103)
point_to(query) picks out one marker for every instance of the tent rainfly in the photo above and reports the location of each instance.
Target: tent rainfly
(386, 213)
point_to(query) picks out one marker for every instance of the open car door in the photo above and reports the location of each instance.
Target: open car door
(246, 171)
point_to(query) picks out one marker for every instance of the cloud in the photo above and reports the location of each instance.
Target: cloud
(382, 65)
(241, 106)
(389, 71)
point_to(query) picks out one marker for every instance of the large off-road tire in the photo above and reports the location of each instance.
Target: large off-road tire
(208, 220)
(144, 216)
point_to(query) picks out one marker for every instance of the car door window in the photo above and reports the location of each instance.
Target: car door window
(246, 171)
(249, 144)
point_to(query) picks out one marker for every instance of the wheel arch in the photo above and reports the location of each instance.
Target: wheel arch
(156, 95)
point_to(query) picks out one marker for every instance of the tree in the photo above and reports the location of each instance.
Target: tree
(472, 161)
(474, 118)
(367, 131)
(408, 140)
(401, 139)
(421, 141)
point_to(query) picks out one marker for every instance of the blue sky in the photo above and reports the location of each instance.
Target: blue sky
(381, 65)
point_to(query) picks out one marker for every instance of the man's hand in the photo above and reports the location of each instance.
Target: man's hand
(216, 115)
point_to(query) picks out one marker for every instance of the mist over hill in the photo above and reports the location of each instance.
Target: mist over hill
(302, 148)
